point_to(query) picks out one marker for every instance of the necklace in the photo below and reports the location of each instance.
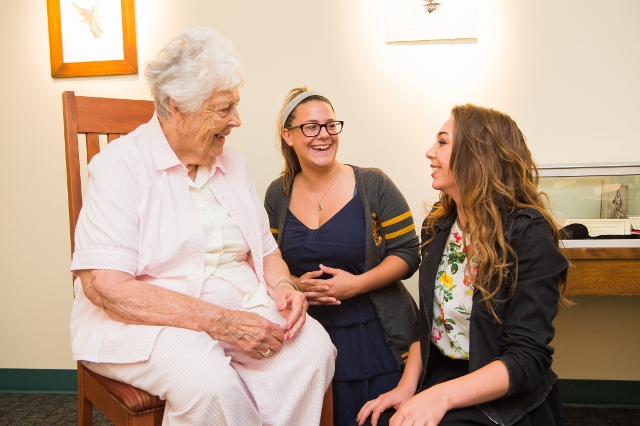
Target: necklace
(320, 206)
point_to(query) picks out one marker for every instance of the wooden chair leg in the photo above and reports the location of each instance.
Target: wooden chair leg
(85, 407)
(85, 412)
(149, 418)
(326, 417)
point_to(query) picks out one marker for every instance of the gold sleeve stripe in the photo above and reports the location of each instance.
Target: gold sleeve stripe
(274, 230)
(405, 356)
(396, 219)
(400, 232)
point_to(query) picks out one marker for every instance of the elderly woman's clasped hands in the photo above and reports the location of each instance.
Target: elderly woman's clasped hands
(258, 337)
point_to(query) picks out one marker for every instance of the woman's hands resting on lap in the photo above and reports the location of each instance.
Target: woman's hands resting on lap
(428, 407)
(424, 409)
(131, 301)
(248, 333)
(292, 305)
(342, 285)
(253, 335)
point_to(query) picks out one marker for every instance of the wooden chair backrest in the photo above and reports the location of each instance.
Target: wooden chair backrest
(94, 117)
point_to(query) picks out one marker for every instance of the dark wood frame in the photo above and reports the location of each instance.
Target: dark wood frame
(129, 65)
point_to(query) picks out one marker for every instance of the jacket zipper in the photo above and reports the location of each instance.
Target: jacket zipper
(488, 416)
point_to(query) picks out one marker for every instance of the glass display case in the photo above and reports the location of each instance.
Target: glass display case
(606, 199)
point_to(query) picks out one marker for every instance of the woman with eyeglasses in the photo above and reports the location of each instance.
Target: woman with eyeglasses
(348, 237)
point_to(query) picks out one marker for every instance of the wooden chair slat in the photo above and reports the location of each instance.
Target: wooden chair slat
(104, 115)
(93, 145)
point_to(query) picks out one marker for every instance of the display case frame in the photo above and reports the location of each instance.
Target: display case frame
(599, 267)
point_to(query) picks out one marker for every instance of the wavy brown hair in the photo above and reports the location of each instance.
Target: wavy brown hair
(495, 175)
(291, 163)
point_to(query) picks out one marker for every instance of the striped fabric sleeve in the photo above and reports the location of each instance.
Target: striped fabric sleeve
(398, 226)
(107, 231)
(274, 232)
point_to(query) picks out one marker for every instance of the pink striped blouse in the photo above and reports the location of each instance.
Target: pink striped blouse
(137, 217)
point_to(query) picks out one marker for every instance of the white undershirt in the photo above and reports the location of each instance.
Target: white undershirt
(225, 246)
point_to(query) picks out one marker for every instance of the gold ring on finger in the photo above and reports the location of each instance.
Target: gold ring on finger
(265, 353)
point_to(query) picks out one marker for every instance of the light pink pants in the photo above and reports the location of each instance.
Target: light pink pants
(206, 382)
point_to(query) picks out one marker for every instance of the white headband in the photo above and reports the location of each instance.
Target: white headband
(293, 103)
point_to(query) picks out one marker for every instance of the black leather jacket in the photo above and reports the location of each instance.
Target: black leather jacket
(522, 340)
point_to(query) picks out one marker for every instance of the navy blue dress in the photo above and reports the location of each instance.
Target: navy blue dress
(365, 367)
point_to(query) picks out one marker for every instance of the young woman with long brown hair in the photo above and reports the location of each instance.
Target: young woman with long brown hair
(491, 278)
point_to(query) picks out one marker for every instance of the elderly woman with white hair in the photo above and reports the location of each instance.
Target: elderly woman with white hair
(182, 290)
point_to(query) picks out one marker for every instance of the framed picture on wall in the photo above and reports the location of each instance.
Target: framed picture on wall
(431, 20)
(614, 203)
(92, 37)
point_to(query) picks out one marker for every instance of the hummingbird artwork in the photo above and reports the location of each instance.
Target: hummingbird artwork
(91, 18)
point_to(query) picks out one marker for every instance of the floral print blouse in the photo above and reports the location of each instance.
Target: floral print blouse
(453, 298)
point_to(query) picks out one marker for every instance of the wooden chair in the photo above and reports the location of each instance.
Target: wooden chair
(123, 404)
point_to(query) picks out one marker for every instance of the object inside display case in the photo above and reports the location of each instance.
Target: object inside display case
(604, 198)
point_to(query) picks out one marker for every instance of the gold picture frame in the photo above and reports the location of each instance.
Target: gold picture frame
(113, 61)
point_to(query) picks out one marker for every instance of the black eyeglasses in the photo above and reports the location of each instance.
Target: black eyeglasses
(313, 129)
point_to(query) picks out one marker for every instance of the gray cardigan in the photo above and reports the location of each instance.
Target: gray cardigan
(391, 230)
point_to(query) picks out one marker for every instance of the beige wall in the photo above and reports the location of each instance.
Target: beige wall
(567, 71)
